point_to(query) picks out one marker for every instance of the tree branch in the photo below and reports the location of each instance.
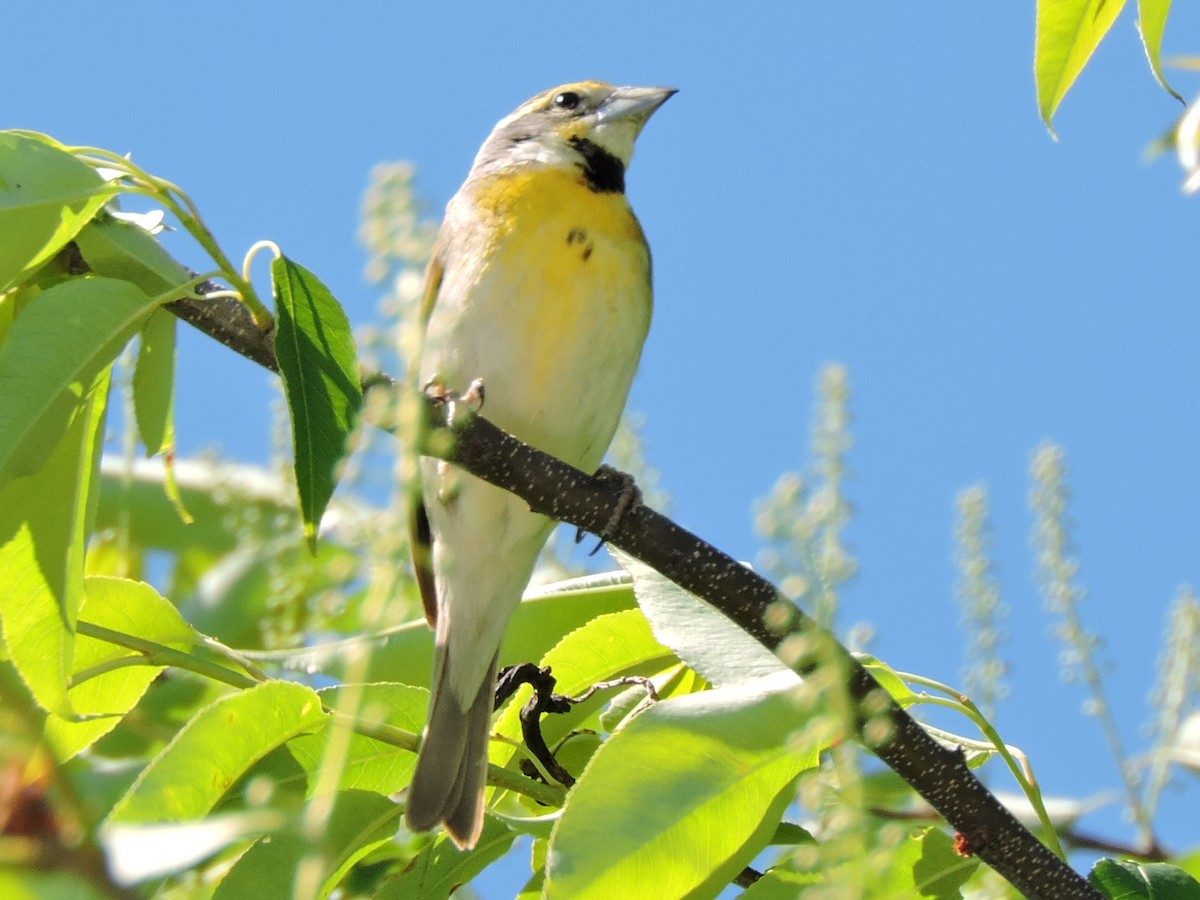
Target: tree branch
(553, 488)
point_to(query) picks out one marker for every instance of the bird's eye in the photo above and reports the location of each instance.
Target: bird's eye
(566, 100)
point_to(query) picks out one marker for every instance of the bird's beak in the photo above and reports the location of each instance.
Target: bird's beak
(633, 103)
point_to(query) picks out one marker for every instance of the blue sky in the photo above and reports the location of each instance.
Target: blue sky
(861, 183)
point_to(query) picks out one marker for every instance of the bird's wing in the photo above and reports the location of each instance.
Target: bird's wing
(419, 533)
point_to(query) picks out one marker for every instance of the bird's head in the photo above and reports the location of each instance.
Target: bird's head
(589, 124)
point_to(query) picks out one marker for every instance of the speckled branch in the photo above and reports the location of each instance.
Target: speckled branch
(985, 827)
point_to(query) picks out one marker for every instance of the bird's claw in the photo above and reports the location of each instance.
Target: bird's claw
(630, 498)
(466, 404)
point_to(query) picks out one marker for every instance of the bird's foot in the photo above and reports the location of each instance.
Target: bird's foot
(630, 498)
(457, 408)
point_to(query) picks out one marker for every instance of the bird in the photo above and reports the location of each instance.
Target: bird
(539, 292)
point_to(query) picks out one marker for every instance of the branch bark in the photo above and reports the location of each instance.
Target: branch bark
(551, 487)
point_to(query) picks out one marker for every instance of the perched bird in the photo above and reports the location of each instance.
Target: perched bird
(539, 287)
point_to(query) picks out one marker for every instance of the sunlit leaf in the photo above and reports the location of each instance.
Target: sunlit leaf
(358, 822)
(119, 248)
(154, 383)
(216, 748)
(126, 606)
(46, 196)
(44, 524)
(441, 866)
(55, 349)
(704, 638)
(1068, 32)
(30, 884)
(707, 770)
(545, 616)
(1129, 880)
(1152, 22)
(319, 367)
(367, 764)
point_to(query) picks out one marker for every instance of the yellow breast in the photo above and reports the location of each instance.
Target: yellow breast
(555, 305)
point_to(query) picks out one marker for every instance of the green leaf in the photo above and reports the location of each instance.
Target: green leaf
(781, 883)
(673, 681)
(703, 637)
(938, 871)
(118, 248)
(1152, 22)
(545, 616)
(755, 842)
(791, 834)
(319, 367)
(216, 748)
(1126, 880)
(359, 822)
(45, 520)
(154, 383)
(1190, 863)
(707, 771)
(56, 347)
(130, 607)
(1068, 33)
(441, 867)
(549, 612)
(367, 764)
(46, 196)
(154, 399)
(921, 864)
(533, 887)
(896, 686)
(24, 884)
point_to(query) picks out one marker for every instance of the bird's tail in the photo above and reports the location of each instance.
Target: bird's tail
(451, 772)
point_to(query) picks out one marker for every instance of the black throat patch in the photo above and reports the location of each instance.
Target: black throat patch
(604, 172)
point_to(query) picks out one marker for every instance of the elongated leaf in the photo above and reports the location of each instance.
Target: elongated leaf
(1129, 880)
(922, 863)
(216, 748)
(940, 870)
(45, 519)
(319, 366)
(368, 764)
(703, 637)
(154, 400)
(441, 866)
(55, 349)
(550, 612)
(888, 679)
(676, 796)
(781, 884)
(154, 383)
(46, 196)
(722, 874)
(26, 884)
(1152, 22)
(130, 607)
(359, 822)
(1068, 33)
(118, 248)
(545, 616)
